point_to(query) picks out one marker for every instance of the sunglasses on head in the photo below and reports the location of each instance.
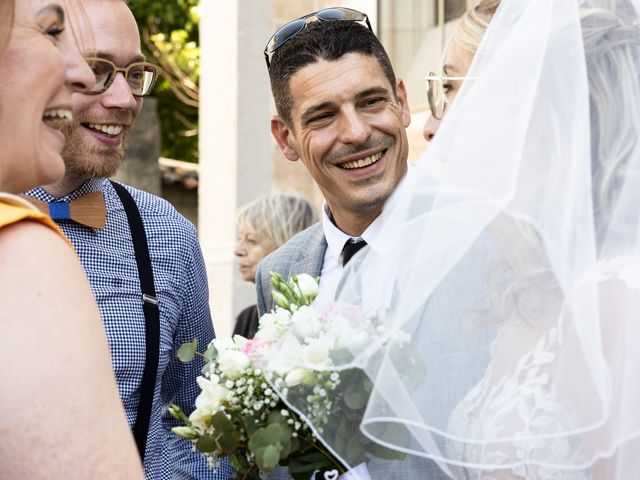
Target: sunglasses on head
(141, 76)
(291, 29)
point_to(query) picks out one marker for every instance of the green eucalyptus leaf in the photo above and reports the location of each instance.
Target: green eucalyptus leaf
(207, 444)
(401, 436)
(355, 449)
(221, 423)
(187, 351)
(385, 453)
(229, 441)
(355, 398)
(258, 439)
(339, 356)
(251, 424)
(270, 457)
(210, 353)
(276, 417)
(295, 445)
(237, 463)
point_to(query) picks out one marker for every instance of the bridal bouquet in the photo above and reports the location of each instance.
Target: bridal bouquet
(253, 391)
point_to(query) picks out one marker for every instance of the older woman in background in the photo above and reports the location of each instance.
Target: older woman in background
(264, 225)
(62, 416)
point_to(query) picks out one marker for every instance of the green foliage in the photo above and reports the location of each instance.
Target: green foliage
(170, 39)
(270, 445)
(187, 351)
(310, 461)
(253, 443)
(207, 444)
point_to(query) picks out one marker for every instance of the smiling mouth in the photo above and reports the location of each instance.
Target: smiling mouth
(363, 162)
(57, 113)
(109, 130)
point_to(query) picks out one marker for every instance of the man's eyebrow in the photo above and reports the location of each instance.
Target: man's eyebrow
(55, 8)
(373, 91)
(108, 56)
(312, 110)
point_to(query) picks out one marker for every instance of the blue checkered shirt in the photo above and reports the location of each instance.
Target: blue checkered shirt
(181, 286)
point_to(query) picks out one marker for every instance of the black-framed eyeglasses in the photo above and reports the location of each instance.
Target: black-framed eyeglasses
(436, 95)
(141, 76)
(292, 28)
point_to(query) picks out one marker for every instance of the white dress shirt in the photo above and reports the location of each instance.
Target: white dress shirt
(393, 214)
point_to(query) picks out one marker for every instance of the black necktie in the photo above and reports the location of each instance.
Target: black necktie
(350, 249)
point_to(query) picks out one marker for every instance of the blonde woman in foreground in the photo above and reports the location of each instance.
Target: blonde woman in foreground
(62, 416)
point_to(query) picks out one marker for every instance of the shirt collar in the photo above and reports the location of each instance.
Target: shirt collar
(93, 185)
(393, 214)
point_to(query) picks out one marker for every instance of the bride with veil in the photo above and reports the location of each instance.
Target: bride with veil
(515, 280)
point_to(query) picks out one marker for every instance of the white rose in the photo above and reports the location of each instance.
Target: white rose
(239, 341)
(282, 318)
(317, 352)
(266, 320)
(224, 343)
(210, 399)
(269, 333)
(233, 363)
(200, 416)
(297, 376)
(306, 322)
(354, 340)
(286, 357)
(308, 286)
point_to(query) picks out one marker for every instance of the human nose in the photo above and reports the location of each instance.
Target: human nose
(354, 129)
(239, 251)
(119, 95)
(430, 128)
(78, 75)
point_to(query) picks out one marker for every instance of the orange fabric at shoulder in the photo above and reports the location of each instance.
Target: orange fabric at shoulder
(14, 210)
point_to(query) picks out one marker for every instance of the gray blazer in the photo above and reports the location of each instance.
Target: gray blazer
(304, 253)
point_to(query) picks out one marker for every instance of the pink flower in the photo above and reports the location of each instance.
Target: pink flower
(351, 313)
(256, 348)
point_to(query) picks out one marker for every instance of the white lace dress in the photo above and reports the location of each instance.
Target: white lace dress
(520, 397)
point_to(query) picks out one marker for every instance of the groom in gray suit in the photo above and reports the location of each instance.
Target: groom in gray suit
(343, 113)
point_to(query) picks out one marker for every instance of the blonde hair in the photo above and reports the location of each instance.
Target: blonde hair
(473, 24)
(277, 217)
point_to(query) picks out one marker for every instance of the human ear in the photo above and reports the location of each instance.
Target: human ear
(403, 103)
(284, 138)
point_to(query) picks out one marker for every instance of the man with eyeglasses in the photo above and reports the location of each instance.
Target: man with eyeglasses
(141, 256)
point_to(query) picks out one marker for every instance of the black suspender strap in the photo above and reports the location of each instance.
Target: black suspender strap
(151, 317)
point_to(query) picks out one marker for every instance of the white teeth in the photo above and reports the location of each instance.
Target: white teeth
(112, 130)
(363, 162)
(58, 113)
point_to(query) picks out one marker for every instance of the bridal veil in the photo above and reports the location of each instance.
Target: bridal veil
(508, 343)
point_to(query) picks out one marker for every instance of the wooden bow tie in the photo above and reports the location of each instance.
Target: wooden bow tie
(89, 209)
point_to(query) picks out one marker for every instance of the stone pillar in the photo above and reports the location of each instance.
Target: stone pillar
(140, 166)
(235, 140)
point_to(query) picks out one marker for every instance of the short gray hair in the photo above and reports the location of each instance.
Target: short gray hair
(277, 217)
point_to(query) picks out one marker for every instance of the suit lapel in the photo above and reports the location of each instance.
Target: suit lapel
(312, 262)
